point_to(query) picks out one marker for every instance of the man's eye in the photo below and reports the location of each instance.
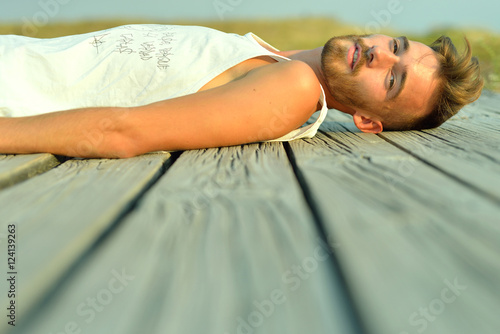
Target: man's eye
(391, 81)
(395, 46)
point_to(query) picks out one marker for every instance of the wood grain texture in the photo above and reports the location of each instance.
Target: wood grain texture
(62, 213)
(223, 243)
(17, 168)
(406, 232)
(466, 150)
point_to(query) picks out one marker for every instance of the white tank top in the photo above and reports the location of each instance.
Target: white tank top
(125, 66)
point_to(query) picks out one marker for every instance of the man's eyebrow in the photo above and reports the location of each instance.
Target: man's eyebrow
(404, 75)
(406, 43)
(401, 85)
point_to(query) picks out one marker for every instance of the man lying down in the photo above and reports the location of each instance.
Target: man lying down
(134, 89)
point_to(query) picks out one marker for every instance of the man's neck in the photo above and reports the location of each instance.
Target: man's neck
(313, 59)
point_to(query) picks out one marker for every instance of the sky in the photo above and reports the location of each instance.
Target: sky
(408, 16)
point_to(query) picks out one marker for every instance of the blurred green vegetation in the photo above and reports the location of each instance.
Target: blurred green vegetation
(297, 33)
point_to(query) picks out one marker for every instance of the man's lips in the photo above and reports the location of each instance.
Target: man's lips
(351, 53)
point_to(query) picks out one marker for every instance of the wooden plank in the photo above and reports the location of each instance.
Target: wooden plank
(17, 168)
(223, 243)
(60, 214)
(467, 150)
(485, 109)
(419, 250)
(488, 105)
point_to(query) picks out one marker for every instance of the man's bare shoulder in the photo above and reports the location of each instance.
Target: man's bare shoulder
(294, 76)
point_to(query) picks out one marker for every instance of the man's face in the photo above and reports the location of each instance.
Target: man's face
(381, 77)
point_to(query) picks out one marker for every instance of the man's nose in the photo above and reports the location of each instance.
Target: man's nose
(380, 57)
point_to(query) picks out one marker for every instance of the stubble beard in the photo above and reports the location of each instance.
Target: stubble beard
(339, 77)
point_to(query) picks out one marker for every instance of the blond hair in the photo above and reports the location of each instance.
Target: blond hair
(460, 83)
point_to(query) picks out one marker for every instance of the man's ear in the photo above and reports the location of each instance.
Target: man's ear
(366, 124)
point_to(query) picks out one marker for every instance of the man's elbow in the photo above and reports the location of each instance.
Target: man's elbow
(115, 144)
(113, 148)
(127, 138)
(123, 147)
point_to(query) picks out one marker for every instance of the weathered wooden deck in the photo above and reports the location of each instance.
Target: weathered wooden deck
(397, 233)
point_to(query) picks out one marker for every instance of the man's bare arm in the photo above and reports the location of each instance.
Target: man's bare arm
(267, 103)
